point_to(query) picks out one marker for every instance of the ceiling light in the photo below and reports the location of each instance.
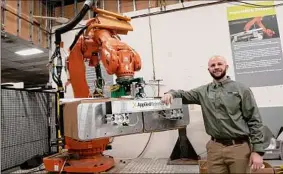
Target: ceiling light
(27, 52)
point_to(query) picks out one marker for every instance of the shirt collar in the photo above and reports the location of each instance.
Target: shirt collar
(216, 84)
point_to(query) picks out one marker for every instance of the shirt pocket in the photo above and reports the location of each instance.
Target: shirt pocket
(231, 102)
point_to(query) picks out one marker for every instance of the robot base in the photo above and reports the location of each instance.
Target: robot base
(65, 162)
(80, 157)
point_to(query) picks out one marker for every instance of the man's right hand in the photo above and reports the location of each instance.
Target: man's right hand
(167, 99)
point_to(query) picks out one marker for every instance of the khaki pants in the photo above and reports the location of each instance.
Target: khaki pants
(228, 159)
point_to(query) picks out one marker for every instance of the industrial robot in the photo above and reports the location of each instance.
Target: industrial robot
(127, 111)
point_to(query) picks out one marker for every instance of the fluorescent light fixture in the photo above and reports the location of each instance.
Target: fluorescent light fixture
(27, 52)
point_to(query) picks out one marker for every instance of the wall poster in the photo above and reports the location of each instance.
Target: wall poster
(256, 45)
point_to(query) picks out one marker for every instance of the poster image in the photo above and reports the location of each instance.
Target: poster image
(255, 28)
(256, 45)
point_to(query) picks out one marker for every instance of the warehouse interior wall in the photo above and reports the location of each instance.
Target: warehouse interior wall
(182, 42)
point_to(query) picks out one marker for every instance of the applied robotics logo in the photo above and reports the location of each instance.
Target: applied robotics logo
(148, 104)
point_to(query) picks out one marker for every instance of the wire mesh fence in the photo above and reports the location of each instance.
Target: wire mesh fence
(28, 122)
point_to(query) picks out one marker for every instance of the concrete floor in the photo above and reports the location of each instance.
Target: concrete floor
(147, 165)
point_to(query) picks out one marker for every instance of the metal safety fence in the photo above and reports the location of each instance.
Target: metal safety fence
(28, 125)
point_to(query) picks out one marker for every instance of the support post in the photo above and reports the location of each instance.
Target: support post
(31, 7)
(118, 6)
(19, 12)
(103, 5)
(134, 5)
(183, 152)
(47, 22)
(3, 13)
(76, 7)
(62, 8)
(39, 32)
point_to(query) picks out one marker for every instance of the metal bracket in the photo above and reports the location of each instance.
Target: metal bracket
(183, 152)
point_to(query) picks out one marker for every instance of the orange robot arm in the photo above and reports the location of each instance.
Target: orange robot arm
(100, 44)
(97, 41)
(76, 66)
(117, 57)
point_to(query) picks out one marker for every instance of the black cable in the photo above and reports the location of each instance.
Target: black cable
(71, 24)
(77, 37)
(77, 28)
(202, 153)
(145, 145)
(256, 5)
(179, 9)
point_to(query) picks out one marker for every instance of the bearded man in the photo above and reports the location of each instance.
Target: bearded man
(232, 119)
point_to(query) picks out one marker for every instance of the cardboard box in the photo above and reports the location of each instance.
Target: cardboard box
(267, 170)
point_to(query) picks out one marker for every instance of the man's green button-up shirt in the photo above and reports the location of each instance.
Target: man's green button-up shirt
(229, 110)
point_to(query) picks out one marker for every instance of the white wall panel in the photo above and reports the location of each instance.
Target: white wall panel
(142, 45)
(184, 41)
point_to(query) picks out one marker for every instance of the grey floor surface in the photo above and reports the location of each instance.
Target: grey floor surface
(147, 165)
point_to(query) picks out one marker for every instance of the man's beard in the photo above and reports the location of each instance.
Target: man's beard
(218, 77)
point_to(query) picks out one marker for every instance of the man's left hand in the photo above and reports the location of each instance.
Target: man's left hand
(256, 161)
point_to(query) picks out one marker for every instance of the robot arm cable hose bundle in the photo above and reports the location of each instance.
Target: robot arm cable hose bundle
(87, 5)
(57, 77)
(77, 37)
(98, 41)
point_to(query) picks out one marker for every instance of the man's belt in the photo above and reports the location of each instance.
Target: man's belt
(229, 142)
